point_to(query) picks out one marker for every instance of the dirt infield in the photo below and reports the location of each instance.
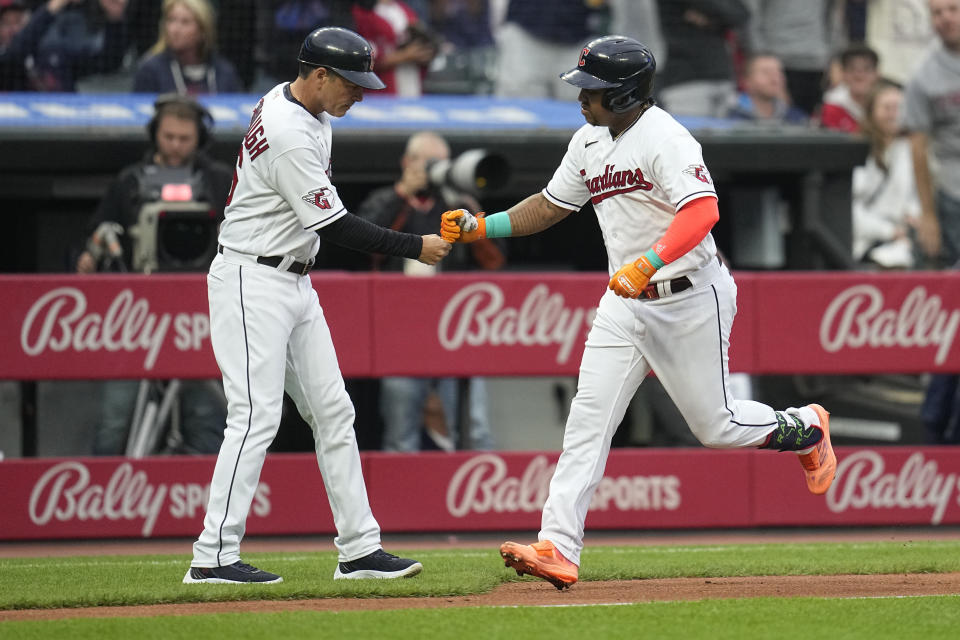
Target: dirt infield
(531, 592)
(538, 593)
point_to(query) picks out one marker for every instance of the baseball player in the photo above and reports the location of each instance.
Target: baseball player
(670, 303)
(268, 331)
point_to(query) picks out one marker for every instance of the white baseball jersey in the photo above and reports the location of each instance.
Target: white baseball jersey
(637, 183)
(269, 334)
(286, 151)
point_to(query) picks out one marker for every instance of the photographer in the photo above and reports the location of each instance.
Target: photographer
(410, 407)
(178, 132)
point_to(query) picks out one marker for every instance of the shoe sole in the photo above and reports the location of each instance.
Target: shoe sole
(524, 567)
(189, 580)
(831, 462)
(370, 574)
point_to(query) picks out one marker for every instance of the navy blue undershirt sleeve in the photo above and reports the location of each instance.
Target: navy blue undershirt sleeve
(353, 232)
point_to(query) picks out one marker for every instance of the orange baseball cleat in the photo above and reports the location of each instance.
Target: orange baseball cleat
(541, 560)
(820, 465)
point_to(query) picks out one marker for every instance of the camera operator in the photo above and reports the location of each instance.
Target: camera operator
(178, 132)
(413, 204)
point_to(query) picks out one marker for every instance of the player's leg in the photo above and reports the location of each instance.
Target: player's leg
(693, 367)
(611, 370)
(250, 318)
(316, 386)
(693, 364)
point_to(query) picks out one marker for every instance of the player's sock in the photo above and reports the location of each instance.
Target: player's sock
(792, 434)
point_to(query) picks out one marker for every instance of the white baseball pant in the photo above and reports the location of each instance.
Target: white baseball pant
(684, 338)
(269, 335)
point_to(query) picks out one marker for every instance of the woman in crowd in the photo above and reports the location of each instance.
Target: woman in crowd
(184, 59)
(885, 202)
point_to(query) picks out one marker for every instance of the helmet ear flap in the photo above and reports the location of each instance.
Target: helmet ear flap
(621, 99)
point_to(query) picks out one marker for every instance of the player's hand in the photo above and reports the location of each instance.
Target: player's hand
(434, 249)
(631, 279)
(460, 225)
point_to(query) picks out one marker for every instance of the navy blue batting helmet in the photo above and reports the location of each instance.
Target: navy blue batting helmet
(344, 52)
(621, 65)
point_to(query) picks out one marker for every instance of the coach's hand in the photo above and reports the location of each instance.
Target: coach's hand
(631, 279)
(460, 225)
(434, 249)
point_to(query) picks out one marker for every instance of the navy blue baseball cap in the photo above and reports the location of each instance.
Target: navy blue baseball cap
(344, 52)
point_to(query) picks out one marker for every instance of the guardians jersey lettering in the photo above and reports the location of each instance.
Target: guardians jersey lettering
(613, 183)
(637, 183)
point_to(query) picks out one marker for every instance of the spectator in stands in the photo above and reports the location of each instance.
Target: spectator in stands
(185, 60)
(700, 79)
(15, 45)
(413, 204)
(900, 32)
(843, 105)
(764, 98)
(885, 202)
(236, 30)
(286, 23)
(931, 112)
(640, 19)
(63, 41)
(403, 43)
(799, 34)
(466, 61)
(534, 43)
(177, 132)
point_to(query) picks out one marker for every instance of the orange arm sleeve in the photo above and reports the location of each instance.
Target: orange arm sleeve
(691, 225)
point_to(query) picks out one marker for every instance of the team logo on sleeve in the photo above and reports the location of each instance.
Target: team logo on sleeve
(699, 172)
(319, 198)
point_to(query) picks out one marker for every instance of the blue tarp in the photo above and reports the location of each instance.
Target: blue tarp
(232, 111)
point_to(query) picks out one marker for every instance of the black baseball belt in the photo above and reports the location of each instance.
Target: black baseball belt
(300, 268)
(652, 292)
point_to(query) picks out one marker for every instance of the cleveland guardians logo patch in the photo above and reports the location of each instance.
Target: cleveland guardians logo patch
(583, 54)
(319, 198)
(699, 172)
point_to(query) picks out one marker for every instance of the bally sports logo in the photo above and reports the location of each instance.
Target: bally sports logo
(65, 493)
(477, 315)
(864, 483)
(481, 485)
(857, 318)
(60, 321)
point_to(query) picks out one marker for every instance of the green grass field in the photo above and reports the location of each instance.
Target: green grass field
(129, 580)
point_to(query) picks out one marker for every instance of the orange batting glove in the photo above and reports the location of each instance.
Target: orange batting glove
(460, 225)
(632, 279)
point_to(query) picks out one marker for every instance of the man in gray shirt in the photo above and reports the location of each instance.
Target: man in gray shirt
(931, 114)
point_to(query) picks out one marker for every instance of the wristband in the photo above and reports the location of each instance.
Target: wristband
(498, 225)
(654, 259)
